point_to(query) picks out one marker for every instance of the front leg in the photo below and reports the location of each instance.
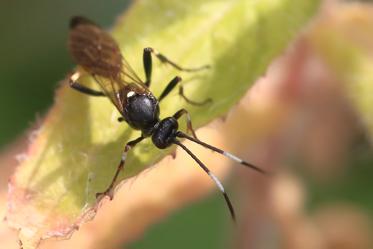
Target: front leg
(109, 190)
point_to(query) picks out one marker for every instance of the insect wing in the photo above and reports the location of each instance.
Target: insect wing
(129, 76)
(94, 49)
(116, 90)
(113, 90)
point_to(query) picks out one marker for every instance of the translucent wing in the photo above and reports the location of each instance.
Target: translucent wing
(94, 49)
(112, 90)
(129, 75)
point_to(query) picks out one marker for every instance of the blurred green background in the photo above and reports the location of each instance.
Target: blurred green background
(34, 58)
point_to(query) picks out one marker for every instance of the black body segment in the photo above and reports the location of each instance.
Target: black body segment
(165, 133)
(141, 111)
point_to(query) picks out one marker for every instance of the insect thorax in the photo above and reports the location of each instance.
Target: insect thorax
(141, 111)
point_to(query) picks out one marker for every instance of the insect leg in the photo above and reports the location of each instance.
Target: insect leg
(212, 176)
(109, 190)
(182, 112)
(147, 61)
(171, 85)
(164, 59)
(222, 152)
(83, 89)
(192, 102)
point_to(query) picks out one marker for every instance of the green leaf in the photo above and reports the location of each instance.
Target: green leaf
(78, 147)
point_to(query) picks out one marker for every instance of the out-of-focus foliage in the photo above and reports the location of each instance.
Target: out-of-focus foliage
(346, 45)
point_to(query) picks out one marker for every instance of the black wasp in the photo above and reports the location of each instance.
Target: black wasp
(99, 55)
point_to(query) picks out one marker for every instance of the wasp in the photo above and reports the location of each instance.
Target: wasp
(93, 49)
